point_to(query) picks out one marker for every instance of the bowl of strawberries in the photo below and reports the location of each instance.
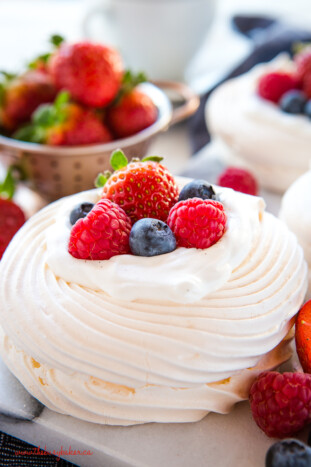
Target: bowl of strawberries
(61, 118)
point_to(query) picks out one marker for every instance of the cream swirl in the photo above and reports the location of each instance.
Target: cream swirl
(274, 144)
(182, 276)
(107, 359)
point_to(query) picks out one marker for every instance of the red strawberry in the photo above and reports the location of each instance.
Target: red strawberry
(238, 179)
(134, 112)
(303, 336)
(64, 124)
(92, 73)
(142, 189)
(11, 215)
(273, 85)
(103, 233)
(21, 95)
(197, 223)
(281, 403)
(11, 219)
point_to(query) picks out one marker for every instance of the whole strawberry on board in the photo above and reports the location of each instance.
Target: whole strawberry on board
(143, 188)
(64, 123)
(21, 95)
(91, 72)
(11, 215)
(133, 110)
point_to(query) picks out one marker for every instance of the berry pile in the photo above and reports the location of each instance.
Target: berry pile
(75, 95)
(290, 91)
(142, 212)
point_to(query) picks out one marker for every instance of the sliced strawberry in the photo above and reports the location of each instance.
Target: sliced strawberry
(303, 336)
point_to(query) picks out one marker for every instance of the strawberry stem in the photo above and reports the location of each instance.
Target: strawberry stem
(118, 159)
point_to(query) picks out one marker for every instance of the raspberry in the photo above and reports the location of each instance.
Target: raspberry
(281, 403)
(238, 179)
(303, 336)
(11, 219)
(197, 223)
(273, 85)
(103, 233)
(142, 189)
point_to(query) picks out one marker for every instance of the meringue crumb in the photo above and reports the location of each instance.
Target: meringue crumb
(112, 387)
(224, 381)
(34, 363)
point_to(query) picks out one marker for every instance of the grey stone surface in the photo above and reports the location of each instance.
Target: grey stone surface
(15, 401)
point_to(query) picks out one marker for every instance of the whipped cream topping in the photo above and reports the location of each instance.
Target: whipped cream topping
(182, 276)
(274, 144)
(295, 212)
(110, 359)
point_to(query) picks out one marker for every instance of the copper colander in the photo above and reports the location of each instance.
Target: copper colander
(54, 172)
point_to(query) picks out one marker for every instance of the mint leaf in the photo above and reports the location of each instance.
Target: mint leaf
(7, 187)
(100, 180)
(56, 40)
(152, 158)
(118, 160)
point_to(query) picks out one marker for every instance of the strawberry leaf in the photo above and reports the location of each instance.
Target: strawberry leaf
(45, 115)
(62, 98)
(7, 187)
(118, 160)
(2, 94)
(8, 76)
(56, 40)
(44, 58)
(152, 158)
(30, 133)
(100, 180)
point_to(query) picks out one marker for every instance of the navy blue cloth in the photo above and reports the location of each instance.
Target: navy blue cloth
(269, 38)
(14, 452)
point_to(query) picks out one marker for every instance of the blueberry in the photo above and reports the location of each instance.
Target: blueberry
(151, 237)
(197, 189)
(80, 211)
(293, 102)
(307, 109)
(288, 453)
